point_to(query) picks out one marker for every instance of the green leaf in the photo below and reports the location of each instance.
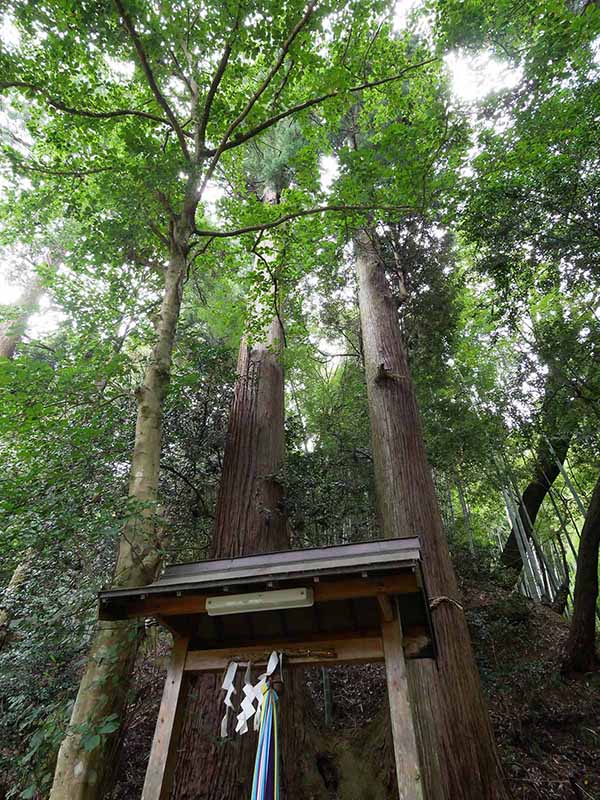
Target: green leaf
(90, 741)
(110, 725)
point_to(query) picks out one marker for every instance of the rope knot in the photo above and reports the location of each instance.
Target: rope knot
(436, 601)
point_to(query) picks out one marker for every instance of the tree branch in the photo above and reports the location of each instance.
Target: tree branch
(188, 482)
(214, 86)
(217, 77)
(160, 98)
(275, 283)
(282, 84)
(81, 112)
(180, 72)
(164, 201)
(268, 123)
(159, 234)
(265, 226)
(259, 92)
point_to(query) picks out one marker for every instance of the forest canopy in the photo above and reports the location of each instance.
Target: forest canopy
(389, 213)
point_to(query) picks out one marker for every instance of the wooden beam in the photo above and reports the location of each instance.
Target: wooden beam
(167, 606)
(410, 786)
(159, 775)
(327, 651)
(352, 588)
(324, 591)
(415, 641)
(386, 609)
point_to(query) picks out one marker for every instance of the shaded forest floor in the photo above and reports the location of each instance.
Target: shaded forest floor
(547, 727)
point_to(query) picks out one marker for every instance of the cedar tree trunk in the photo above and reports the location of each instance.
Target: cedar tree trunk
(458, 753)
(250, 518)
(81, 773)
(581, 653)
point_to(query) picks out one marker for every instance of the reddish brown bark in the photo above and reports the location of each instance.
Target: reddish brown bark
(581, 655)
(250, 518)
(458, 752)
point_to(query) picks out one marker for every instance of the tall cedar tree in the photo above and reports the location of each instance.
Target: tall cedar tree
(250, 518)
(458, 753)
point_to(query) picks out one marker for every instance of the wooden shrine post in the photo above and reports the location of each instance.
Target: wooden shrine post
(406, 756)
(163, 753)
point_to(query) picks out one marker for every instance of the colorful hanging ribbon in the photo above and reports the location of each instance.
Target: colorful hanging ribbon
(265, 785)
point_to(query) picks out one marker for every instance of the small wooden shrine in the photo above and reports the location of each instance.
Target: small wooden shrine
(354, 603)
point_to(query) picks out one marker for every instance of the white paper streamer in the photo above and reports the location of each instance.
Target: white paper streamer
(273, 662)
(247, 707)
(253, 693)
(229, 691)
